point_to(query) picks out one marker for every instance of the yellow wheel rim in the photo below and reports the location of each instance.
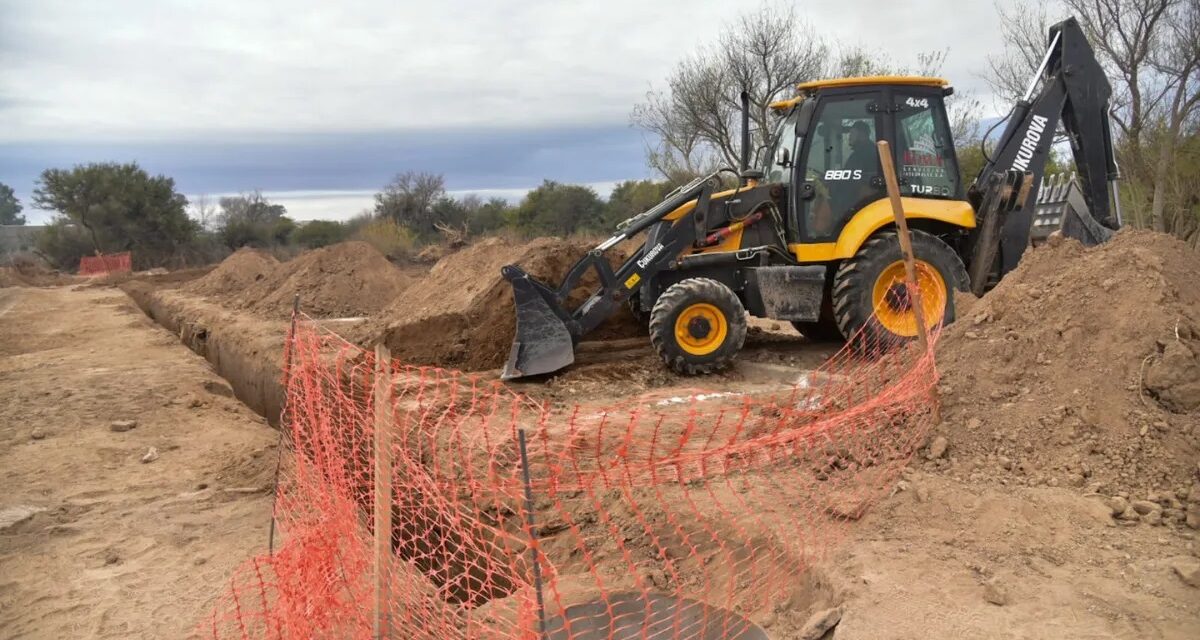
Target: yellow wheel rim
(700, 329)
(889, 297)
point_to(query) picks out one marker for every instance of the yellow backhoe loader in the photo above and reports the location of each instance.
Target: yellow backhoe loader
(809, 237)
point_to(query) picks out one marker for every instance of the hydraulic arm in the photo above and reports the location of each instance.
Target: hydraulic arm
(1074, 92)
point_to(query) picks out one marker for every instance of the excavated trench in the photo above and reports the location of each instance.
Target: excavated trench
(245, 351)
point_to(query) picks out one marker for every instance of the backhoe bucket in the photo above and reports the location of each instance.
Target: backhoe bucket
(1061, 207)
(543, 343)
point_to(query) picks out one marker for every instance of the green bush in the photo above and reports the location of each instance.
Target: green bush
(390, 238)
(320, 233)
(116, 207)
(64, 243)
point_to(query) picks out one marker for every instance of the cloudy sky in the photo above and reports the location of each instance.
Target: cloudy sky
(319, 103)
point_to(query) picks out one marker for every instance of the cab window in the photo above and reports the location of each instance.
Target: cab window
(926, 163)
(779, 168)
(841, 167)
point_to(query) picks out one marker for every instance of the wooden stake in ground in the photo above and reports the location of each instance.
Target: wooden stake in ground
(910, 263)
(383, 490)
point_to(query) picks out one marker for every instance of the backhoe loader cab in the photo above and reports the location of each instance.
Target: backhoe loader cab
(825, 154)
(808, 237)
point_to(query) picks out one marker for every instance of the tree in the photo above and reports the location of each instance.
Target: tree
(10, 207)
(206, 212)
(63, 243)
(1150, 50)
(490, 216)
(409, 200)
(320, 233)
(559, 209)
(251, 220)
(695, 122)
(121, 207)
(251, 207)
(449, 212)
(632, 197)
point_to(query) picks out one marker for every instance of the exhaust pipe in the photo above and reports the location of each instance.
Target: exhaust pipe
(745, 131)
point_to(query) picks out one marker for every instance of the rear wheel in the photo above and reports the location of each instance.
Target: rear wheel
(870, 299)
(697, 326)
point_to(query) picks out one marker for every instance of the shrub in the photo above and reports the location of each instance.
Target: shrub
(63, 243)
(320, 233)
(390, 238)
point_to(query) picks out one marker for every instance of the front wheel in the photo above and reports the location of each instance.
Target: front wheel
(871, 302)
(697, 326)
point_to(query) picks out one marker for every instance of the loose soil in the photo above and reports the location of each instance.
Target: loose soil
(1066, 385)
(25, 272)
(347, 279)
(1080, 369)
(944, 558)
(461, 315)
(235, 274)
(94, 543)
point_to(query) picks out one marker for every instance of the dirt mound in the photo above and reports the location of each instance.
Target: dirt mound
(461, 314)
(347, 279)
(234, 274)
(25, 271)
(10, 277)
(1080, 369)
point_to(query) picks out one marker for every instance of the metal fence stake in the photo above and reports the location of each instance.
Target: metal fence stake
(533, 548)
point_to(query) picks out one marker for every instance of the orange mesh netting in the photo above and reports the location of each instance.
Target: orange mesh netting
(658, 517)
(103, 264)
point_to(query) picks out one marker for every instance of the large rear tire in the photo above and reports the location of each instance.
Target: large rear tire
(870, 301)
(697, 326)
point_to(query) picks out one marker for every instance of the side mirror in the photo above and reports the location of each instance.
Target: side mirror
(784, 158)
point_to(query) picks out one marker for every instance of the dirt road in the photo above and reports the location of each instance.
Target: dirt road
(112, 533)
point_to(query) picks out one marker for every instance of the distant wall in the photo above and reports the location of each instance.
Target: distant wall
(18, 238)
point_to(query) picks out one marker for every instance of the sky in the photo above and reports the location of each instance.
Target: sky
(319, 103)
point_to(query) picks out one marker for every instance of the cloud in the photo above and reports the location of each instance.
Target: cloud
(156, 68)
(172, 69)
(514, 160)
(287, 95)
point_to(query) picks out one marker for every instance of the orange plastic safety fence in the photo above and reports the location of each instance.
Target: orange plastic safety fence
(654, 517)
(110, 263)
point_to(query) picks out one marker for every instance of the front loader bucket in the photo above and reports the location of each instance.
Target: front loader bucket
(543, 343)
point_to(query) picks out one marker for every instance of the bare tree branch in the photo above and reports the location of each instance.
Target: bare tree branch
(694, 124)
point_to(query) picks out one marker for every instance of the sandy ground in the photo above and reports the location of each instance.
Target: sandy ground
(924, 563)
(116, 547)
(126, 549)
